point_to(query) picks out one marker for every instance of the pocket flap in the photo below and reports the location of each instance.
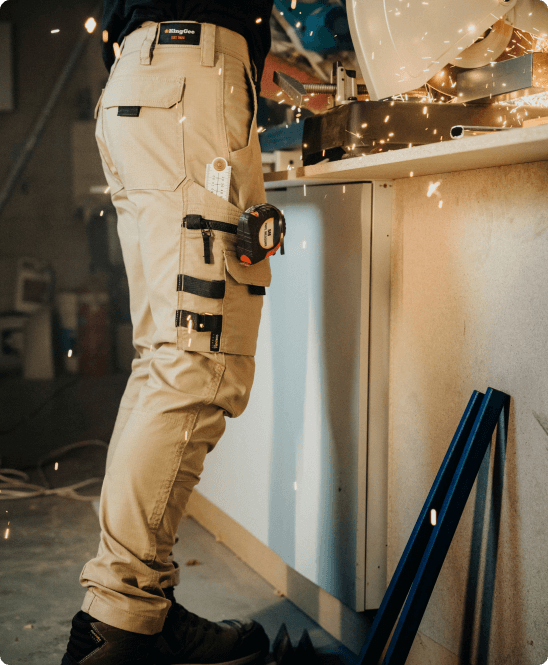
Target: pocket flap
(157, 91)
(258, 274)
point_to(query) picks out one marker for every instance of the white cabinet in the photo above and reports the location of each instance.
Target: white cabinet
(305, 466)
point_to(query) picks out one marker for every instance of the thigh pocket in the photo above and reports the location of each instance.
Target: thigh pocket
(223, 315)
(142, 129)
(240, 104)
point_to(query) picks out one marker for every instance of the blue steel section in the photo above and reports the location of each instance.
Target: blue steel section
(282, 137)
(423, 557)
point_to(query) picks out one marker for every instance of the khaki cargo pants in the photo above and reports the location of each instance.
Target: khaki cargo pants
(179, 95)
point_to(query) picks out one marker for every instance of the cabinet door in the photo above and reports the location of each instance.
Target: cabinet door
(293, 468)
(318, 345)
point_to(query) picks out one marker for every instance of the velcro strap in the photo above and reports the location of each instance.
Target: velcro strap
(201, 287)
(194, 222)
(200, 322)
(256, 290)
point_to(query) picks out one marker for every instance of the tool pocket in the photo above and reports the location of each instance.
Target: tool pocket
(221, 315)
(243, 303)
(142, 129)
(240, 122)
(239, 104)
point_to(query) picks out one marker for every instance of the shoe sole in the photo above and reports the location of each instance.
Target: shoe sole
(239, 661)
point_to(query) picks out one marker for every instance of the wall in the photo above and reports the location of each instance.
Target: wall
(469, 310)
(40, 219)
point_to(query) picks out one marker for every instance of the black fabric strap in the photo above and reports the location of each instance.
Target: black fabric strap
(129, 111)
(195, 222)
(200, 322)
(212, 323)
(201, 287)
(257, 290)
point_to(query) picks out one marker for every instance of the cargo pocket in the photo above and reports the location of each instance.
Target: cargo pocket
(243, 303)
(230, 324)
(142, 128)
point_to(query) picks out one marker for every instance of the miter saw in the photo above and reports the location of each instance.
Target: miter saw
(427, 67)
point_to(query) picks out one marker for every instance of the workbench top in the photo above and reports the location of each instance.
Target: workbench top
(514, 146)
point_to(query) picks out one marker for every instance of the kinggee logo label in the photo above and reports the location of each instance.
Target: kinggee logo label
(181, 32)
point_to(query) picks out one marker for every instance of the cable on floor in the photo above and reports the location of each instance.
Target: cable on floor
(13, 488)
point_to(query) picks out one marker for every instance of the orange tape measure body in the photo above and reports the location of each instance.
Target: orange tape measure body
(261, 233)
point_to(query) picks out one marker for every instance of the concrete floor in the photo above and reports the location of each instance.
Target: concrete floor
(51, 537)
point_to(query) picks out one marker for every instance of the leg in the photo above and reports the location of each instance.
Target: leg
(176, 402)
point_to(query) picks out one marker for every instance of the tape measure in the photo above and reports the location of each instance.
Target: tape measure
(261, 232)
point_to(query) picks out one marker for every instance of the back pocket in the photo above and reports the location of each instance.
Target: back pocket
(142, 127)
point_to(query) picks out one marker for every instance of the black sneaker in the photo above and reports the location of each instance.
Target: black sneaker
(93, 642)
(186, 639)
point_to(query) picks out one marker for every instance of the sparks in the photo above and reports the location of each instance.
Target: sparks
(90, 25)
(432, 188)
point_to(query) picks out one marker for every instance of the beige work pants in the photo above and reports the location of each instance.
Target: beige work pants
(168, 110)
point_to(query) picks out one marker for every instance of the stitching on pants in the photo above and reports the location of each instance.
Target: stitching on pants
(161, 504)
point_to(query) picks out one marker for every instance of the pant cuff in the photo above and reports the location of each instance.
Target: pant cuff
(104, 611)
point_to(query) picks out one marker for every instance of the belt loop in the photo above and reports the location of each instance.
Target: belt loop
(116, 59)
(148, 45)
(208, 44)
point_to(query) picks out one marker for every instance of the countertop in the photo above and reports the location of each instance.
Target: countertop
(512, 146)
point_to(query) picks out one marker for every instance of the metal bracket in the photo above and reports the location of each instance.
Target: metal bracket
(343, 87)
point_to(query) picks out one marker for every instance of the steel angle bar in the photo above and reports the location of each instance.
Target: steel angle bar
(444, 530)
(506, 80)
(410, 560)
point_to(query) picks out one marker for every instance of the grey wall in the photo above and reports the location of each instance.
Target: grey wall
(469, 310)
(40, 219)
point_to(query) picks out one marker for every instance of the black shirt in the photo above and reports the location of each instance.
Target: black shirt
(120, 17)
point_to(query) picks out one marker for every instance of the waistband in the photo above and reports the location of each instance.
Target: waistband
(213, 38)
